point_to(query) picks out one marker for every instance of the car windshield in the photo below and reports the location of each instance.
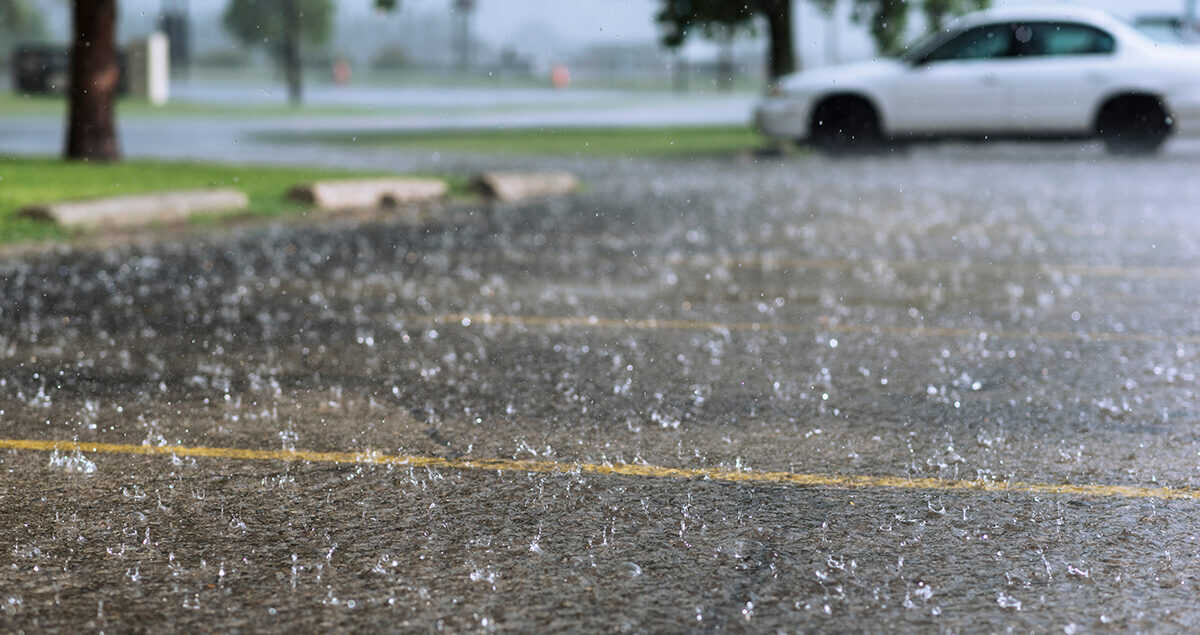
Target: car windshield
(924, 45)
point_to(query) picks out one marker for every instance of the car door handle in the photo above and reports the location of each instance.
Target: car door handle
(1096, 78)
(989, 80)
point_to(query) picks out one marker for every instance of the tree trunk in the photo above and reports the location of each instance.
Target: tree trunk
(91, 129)
(781, 52)
(291, 52)
(725, 63)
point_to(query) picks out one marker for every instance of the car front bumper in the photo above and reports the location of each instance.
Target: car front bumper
(783, 117)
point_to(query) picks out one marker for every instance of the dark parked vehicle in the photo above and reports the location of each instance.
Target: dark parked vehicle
(45, 69)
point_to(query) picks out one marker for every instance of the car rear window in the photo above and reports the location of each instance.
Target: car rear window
(1057, 38)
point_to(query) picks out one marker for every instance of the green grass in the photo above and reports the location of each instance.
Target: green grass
(24, 181)
(652, 142)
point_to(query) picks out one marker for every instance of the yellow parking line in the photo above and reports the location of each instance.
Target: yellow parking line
(543, 321)
(1097, 271)
(832, 481)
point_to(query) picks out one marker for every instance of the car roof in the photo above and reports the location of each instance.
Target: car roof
(1054, 12)
(1042, 12)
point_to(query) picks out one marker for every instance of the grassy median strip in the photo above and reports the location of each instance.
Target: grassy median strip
(618, 141)
(26, 181)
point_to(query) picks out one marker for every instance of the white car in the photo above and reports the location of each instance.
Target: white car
(1032, 73)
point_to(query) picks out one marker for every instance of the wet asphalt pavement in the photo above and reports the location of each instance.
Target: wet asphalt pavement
(997, 315)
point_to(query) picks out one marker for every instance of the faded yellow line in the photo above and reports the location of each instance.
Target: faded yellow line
(833, 264)
(543, 321)
(832, 481)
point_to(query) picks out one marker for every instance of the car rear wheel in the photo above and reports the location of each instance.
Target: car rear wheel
(1134, 125)
(845, 126)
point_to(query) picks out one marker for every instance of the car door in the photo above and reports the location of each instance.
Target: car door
(1067, 69)
(958, 87)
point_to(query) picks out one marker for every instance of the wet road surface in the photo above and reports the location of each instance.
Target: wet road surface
(971, 373)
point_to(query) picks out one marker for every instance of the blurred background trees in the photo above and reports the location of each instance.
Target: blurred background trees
(91, 128)
(937, 11)
(288, 32)
(281, 27)
(680, 19)
(19, 19)
(887, 21)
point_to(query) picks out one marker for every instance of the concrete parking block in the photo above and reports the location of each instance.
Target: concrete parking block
(363, 193)
(515, 186)
(133, 211)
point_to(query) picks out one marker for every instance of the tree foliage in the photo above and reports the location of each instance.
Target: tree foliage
(887, 20)
(282, 26)
(265, 23)
(679, 19)
(936, 11)
(20, 18)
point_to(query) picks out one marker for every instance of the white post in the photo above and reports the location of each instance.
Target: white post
(149, 68)
(158, 68)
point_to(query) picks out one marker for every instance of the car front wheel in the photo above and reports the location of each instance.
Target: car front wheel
(845, 126)
(1134, 125)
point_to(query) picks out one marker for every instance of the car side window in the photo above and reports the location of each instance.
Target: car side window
(1066, 38)
(979, 43)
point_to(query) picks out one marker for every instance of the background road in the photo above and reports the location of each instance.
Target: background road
(1015, 317)
(238, 135)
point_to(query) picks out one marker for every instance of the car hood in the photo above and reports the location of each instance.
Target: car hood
(846, 75)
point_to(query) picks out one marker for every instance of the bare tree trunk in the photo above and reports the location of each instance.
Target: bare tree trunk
(291, 52)
(91, 129)
(781, 51)
(679, 73)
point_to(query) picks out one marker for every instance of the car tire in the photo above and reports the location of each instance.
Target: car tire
(1134, 125)
(844, 126)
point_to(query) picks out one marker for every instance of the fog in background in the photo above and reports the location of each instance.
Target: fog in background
(541, 30)
(610, 44)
